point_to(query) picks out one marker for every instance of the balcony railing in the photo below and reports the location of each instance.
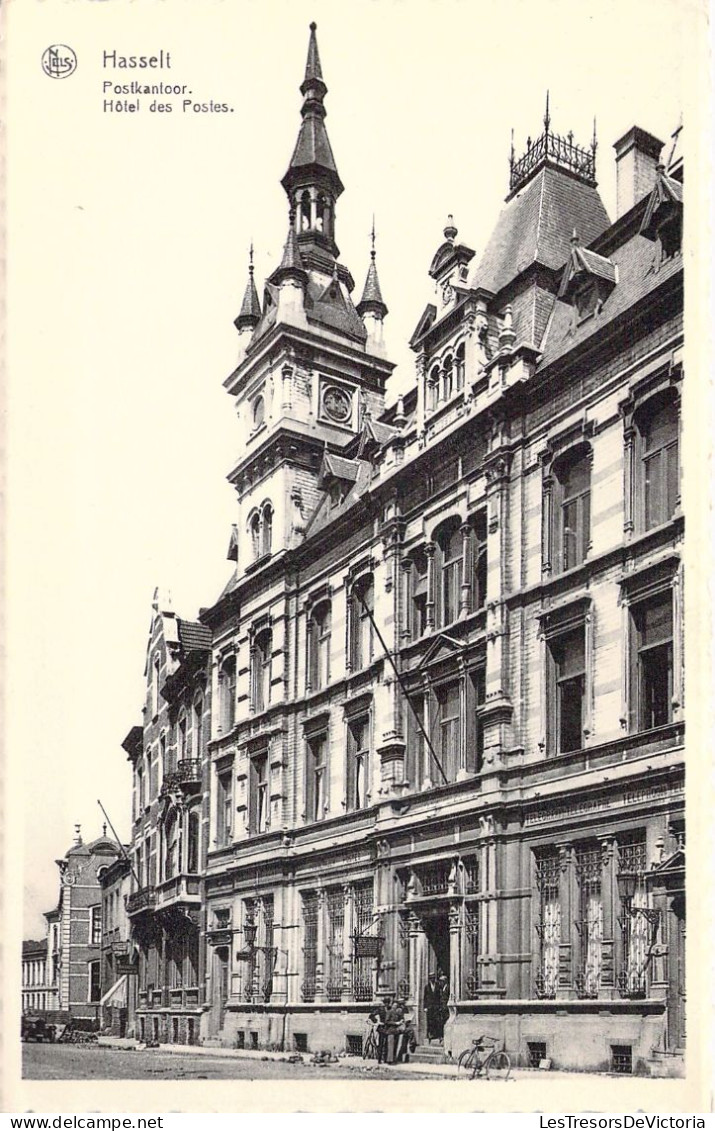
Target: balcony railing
(142, 900)
(184, 888)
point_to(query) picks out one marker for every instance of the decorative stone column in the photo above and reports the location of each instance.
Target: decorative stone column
(609, 894)
(320, 947)
(430, 549)
(348, 898)
(405, 593)
(567, 899)
(418, 972)
(465, 594)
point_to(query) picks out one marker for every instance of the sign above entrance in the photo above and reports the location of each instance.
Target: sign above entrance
(368, 946)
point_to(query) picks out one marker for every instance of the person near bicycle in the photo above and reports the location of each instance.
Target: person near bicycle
(391, 1031)
(376, 1017)
(407, 1038)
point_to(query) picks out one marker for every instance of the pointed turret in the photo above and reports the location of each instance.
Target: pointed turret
(312, 182)
(250, 314)
(372, 308)
(291, 280)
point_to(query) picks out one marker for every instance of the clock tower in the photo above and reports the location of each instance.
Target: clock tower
(311, 363)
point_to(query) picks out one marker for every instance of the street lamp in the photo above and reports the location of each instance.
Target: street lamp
(628, 883)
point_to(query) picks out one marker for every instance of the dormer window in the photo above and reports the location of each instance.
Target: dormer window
(670, 235)
(586, 300)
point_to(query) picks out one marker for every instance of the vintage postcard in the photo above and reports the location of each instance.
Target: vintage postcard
(358, 389)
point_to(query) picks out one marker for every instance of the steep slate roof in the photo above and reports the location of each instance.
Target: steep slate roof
(326, 511)
(193, 636)
(536, 227)
(639, 272)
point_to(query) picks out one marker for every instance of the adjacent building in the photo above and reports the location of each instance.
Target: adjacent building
(435, 722)
(37, 992)
(74, 929)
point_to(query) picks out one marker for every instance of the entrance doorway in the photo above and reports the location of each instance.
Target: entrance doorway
(435, 991)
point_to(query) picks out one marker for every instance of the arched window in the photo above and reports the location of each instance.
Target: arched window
(572, 508)
(433, 389)
(659, 464)
(171, 833)
(267, 532)
(182, 739)
(305, 211)
(449, 542)
(459, 368)
(319, 646)
(199, 727)
(320, 213)
(192, 842)
(261, 669)
(254, 527)
(418, 596)
(362, 608)
(227, 694)
(447, 381)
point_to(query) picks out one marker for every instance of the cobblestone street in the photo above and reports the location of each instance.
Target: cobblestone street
(83, 1062)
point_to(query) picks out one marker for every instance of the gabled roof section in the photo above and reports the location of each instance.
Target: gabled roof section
(442, 648)
(426, 322)
(665, 200)
(583, 263)
(194, 637)
(535, 227)
(328, 509)
(337, 467)
(331, 307)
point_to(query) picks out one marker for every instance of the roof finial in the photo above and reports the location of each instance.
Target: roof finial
(250, 260)
(372, 239)
(77, 834)
(104, 828)
(594, 140)
(450, 231)
(512, 154)
(547, 117)
(574, 238)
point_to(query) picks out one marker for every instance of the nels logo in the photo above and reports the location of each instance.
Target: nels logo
(59, 61)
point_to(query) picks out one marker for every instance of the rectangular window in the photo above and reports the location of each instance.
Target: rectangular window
(261, 659)
(259, 794)
(316, 777)
(224, 809)
(567, 696)
(450, 729)
(475, 739)
(590, 921)
(362, 921)
(652, 663)
(361, 630)
(416, 756)
(95, 990)
(310, 944)
(548, 923)
(479, 561)
(635, 928)
(95, 926)
(336, 912)
(418, 578)
(357, 763)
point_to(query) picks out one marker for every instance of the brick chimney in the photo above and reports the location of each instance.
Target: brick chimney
(637, 154)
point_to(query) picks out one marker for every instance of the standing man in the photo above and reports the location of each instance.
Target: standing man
(443, 988)
(431, 1003)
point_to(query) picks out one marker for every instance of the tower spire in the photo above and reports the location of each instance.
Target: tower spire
(547, 116)
(250, 314)
(311, 182)
(372, 301)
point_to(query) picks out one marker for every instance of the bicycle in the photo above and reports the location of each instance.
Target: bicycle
(369, 1049)
(485, 1057)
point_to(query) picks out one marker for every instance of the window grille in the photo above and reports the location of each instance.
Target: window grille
(548, 926)
(353, 1044)
(634, 928)
(300, 1041)
(622, 1059)
(335, 904)
(310, 944)
(471, 933)
(434, 878)
(590, 922)
(362, 919)
(537, 1052)
(267, 954)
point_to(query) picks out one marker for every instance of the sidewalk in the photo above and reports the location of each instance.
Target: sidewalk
(349, 1062)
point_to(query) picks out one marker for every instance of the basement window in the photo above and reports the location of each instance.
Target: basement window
(622, 1059)
(537, 1052)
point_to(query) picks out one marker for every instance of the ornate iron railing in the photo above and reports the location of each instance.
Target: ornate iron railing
(362, 989)
(560, 150)
(142, 900)
(307, 990)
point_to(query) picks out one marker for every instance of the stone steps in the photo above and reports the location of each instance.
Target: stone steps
(428, 1054)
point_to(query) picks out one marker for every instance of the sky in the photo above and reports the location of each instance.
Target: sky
(128, 237)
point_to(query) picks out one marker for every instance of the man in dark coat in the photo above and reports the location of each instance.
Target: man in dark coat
(431, 1000)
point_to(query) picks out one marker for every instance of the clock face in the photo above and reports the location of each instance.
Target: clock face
(336, 403)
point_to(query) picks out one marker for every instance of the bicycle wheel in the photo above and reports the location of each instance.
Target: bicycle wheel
(369, 1051)
(498, 1066)
(464, 1062)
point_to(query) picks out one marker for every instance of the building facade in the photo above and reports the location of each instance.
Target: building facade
(169, 832)
(74, 929)
(37, 991)
(442, 695)
(119, 957)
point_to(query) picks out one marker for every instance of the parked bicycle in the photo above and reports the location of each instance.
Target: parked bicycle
(486, 1057)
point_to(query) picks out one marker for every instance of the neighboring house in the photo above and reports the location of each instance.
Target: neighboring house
(36, 990)
(443, 725)
(75, 927)
(119, 964)
(170, 815)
